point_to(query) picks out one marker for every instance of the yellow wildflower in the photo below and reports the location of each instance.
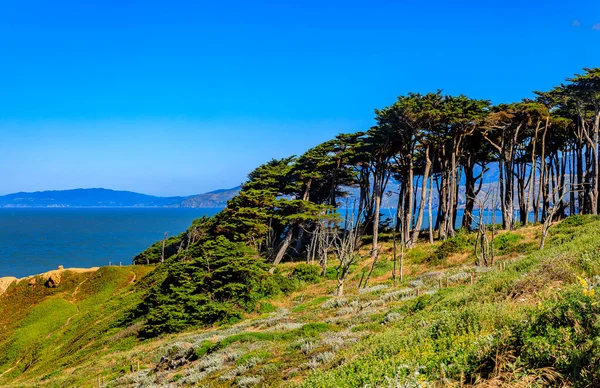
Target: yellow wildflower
(587, 289)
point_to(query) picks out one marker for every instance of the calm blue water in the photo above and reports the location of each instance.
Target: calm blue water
(38, 240)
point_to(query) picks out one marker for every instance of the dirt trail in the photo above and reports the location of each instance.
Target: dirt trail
(11, 368)
(77, 289)
(133, 278)
(72, 301)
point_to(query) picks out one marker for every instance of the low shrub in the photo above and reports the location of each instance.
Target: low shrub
(308, 273)
(265, 307)
(313, 303)
(451, 246)
(254, 354)
(561, 336)
(507, 242)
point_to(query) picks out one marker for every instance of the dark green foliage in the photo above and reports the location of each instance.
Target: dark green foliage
(247, 216)
(308, 273)
(218, 286)
(507, 242)
(321, 171)
(275, 201)
(250, 215)
(222, 281)
(331, 273)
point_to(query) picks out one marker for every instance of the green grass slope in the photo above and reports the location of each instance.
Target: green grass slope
(54, 336)
(532, 319)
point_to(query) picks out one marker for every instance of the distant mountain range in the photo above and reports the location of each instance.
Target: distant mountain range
(212, 199)
(113, 198)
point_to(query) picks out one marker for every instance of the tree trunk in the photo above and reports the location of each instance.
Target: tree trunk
(444, 206)
(572, 183)
(508, 194)
(587, 206)
(502, 190)
(417, 228)
(408, 208)
(452, 188)
(162, 256)
(580, 178)
(299, 240)
(456, 195)
(439, 182)
(532, 172)
(365, 208)
(540, 193)
(521, 187)
(595, 181)
(340, 288)
(467, 221)
(545, 189)
(285, 244)
(562, 167)
(374, 247)
(429, 209)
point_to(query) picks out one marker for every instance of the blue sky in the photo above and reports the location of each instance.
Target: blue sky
(182, 97)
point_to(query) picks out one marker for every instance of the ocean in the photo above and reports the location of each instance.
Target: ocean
(36, 240)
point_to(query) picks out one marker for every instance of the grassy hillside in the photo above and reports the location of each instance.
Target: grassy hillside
(531, 319)
(56, 336)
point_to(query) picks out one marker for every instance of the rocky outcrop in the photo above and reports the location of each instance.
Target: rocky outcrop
(50, 279)
(53, 280)
(6, 282)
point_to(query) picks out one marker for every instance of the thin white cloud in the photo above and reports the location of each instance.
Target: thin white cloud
(576, 23)
(596, 27)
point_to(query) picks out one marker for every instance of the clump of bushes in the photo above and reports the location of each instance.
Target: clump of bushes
(561, 336)
(575, 221)
(308, 273)
(507, 242)
(226, 280)
(449, 247)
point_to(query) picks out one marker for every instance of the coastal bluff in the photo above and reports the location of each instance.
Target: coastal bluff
(50, 278)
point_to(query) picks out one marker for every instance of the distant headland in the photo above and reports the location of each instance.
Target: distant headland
(99, 197)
